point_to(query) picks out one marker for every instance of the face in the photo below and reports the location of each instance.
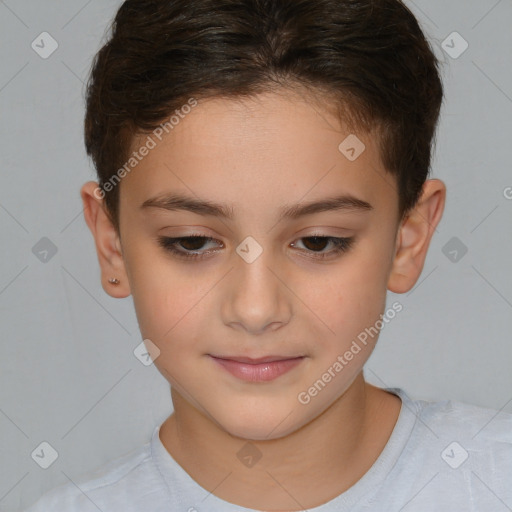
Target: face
(260, 282)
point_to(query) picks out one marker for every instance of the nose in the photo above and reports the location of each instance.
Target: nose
(257, 298)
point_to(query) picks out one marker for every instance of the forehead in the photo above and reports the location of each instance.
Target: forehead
(259, 152)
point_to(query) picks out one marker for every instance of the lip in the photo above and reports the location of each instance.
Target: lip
(263, 369)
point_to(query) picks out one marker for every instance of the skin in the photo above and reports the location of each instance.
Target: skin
(258, 155)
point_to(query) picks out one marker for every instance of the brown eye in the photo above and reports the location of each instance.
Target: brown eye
(191, 243)
(184, 247)
(181, 246)
(316, 244)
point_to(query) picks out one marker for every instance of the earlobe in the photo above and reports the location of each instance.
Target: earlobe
(414, 236)
(108, 246)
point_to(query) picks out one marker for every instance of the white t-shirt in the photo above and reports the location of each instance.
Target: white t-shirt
(441, 456)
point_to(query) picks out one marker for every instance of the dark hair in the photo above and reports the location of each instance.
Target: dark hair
(368, 58)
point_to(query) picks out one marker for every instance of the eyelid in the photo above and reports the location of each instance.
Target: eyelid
(316, 232)
(341, 246)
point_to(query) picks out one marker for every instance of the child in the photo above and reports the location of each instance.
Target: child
(262, 172)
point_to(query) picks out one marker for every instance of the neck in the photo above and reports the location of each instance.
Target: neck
(333, 451)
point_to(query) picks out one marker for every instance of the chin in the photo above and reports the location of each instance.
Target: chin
(257, 424)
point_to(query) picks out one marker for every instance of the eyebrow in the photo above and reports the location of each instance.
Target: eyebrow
(174, 202)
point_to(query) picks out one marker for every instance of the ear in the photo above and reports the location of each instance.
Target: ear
(414, 235)
(108, 245)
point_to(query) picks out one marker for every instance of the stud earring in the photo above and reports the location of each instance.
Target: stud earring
(113, 280)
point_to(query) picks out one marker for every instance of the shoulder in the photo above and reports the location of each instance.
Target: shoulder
(480, 435)
(459, 451)
(120, 484)
(480, 424)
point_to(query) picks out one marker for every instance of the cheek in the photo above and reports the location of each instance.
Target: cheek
(350, 296)
(166, 311)
(164, 294)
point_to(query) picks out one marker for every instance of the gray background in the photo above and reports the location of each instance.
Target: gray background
(68, 375)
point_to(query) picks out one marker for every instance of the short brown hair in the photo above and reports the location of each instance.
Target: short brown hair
(369, 57)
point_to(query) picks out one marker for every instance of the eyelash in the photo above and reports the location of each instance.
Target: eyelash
(342, 245)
